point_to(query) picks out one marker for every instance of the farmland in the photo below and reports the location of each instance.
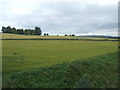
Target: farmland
(96, 72)
(34, 37)
(23, 54)
(27, 57)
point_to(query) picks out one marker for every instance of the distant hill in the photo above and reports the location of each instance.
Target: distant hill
(100, 36)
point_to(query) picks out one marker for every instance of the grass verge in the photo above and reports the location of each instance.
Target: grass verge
(96, 72)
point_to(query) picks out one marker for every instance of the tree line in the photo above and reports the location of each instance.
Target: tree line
(35, 31)
(70, 35)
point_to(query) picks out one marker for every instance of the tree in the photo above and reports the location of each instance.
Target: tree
(4, 29)
(19, 31)
(44, 34)
(29, 32)
(25, 32)
(73, 34)
(47, 34)
(14, 30)
(65, 34)
(32, 32)
(9, 29)
(38, 31)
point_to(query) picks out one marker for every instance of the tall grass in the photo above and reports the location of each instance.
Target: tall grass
(96, 72)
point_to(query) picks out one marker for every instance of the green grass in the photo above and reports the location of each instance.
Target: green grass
(58, 63)
(95, 72)
(25, 54)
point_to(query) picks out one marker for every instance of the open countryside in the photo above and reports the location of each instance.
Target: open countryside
(24, 57)
(59, 44)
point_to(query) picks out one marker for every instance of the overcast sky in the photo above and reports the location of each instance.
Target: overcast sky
(62, 16)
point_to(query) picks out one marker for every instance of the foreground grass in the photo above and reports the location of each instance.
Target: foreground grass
(96, 72)
(26, 54)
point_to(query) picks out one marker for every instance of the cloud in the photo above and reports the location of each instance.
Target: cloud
(76, 17)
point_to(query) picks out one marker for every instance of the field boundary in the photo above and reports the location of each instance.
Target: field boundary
(61, 39)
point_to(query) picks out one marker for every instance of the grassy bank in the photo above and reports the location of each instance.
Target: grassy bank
(96, 72)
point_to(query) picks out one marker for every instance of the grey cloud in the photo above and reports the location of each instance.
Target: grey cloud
(66, 17)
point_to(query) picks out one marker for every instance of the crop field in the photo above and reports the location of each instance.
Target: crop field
(15, 36)
(22, 54)
(59, 63)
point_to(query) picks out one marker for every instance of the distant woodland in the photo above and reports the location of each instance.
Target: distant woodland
(36, 31)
